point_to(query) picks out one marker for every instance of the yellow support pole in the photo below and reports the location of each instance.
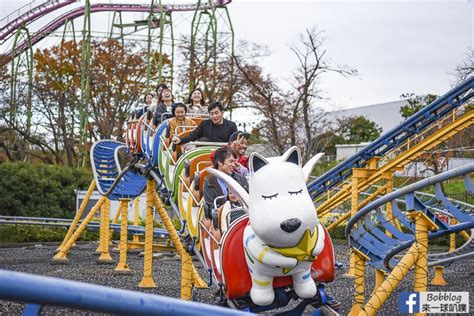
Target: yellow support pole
(388, 205)
(464, 235)
(438, 277)
(354, 209)
(186, 276)
(416, 256)
(61, 255)
(359, 282)
(422, 225)
(78, 215)
(382, 293)
(101, 229)
(379, 278)
(338, 221)
(147, 280)
(122, 266)
(196, 279)
(105, 255)
(452, 237)
(389, 215)
(136, 206)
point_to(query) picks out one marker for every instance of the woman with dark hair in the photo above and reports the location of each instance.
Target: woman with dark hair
(147, 100)
(196, 102)
(156, 101)
(179, 123)
(165, 101)
(160, 88)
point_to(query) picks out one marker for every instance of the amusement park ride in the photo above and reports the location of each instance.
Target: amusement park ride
(277, 250)
(263, 262)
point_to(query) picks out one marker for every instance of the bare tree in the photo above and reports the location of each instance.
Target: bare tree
(466, 68)
(258, 92)
(313, 63)
(291, 116)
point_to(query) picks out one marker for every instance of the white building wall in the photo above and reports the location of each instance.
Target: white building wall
(386, 115)
(346, 150)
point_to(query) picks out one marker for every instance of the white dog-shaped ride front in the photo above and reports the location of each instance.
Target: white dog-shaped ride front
(284, 235)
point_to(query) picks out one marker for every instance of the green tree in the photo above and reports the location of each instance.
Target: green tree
(41, 190)
(358, 129)
(415, 103)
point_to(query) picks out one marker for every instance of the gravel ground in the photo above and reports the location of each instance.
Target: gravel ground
(82, 267)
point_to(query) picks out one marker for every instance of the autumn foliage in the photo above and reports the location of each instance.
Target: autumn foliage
(117, 82)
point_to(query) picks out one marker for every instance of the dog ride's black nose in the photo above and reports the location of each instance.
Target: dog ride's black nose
(290, 225)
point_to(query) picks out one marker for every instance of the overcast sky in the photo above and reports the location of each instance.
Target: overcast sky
(397, 46)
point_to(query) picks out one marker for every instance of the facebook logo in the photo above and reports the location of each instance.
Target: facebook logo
(409, 302)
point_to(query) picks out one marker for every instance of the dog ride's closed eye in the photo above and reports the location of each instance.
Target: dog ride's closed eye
(295, 192)
(270, 196)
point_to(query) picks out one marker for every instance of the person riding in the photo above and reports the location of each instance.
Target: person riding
(179, 123)
(238, 141)
(165, 101)
(159, 88)
(154, 103)
(215, 129)
(223, 160)
(138, 112)
(196, 103)
(231, 205)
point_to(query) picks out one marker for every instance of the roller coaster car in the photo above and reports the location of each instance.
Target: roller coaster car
(197, 172)
(190, 188)
(176, 150)
(133, 137)
(226, 258)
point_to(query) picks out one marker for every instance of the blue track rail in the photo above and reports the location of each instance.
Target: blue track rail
(456, 97)
(369, 236)
(24, 287)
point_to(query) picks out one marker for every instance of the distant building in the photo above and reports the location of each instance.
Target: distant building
(386, 115)
(344, 151)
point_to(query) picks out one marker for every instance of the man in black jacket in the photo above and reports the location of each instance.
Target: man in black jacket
(216, 129)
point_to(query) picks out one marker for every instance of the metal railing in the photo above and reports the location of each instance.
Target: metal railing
(30, 289)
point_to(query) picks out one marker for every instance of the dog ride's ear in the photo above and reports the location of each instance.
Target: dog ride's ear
(309, 166)
(293, 155)
(257, 161)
